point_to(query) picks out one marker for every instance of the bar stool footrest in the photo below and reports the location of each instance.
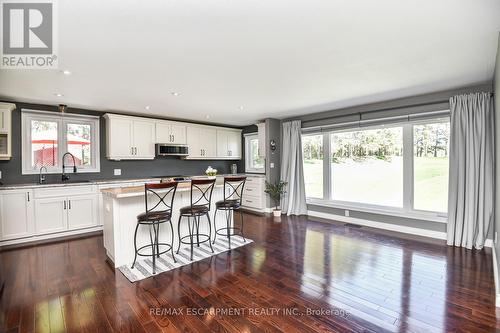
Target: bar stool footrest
(150, 246)
(236, 231)
(206, 239)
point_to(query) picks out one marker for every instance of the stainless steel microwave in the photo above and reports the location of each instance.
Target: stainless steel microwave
(168, 149)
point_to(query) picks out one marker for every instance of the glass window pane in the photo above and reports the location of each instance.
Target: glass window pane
(79, 140)
(430, 151)
(367, 166)
(256, 161)
(43, 144)
(312, 151)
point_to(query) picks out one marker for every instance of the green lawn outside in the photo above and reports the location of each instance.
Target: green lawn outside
(380, 182)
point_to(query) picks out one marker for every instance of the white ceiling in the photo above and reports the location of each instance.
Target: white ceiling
(276, 58)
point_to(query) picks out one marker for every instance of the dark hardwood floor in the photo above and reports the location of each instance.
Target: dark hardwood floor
(299, 276)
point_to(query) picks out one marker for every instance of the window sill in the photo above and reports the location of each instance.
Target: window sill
(261, 172)
(433, 217)
(35, 172)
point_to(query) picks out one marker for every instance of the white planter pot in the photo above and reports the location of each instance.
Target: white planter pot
(276, 213)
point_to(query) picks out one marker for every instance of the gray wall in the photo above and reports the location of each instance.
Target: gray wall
(497, 149)
(11, 170)
(427, 102)
(273, 132)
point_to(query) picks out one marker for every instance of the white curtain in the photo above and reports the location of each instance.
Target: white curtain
(471, 182)
(292, 172)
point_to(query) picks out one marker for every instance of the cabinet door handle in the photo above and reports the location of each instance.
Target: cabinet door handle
(69, 204)
(28, 196)
(64, 204)
(131, 150)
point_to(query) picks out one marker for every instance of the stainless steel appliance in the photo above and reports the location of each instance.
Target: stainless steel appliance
(168, 149)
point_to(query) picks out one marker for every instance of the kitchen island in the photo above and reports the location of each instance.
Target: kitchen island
(121, 207)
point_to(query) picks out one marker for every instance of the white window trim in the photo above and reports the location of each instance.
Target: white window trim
(62, 121)
(248, 137)
(407, 210)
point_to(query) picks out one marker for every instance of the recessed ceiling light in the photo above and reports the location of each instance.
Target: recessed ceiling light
(241, 107)
(58, 94)
(66, 72)
(175, 93)
(147, 107)
(207, 116)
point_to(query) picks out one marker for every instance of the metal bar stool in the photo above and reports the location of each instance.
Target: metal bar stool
(158, 211)
(201, 195)
(233, 193)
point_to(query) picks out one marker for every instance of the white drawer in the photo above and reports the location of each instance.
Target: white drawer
(252, 201)
(254, 191)
(64, 191)
(258, 185)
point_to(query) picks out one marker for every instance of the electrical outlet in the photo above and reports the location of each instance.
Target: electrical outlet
(346, 212)
(118, 172)
(271, 165)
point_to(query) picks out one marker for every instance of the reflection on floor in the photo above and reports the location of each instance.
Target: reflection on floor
(300, 275)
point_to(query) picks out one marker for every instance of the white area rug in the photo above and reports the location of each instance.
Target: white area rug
(144, 267)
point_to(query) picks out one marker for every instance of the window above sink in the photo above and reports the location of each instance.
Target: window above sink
(46, 136)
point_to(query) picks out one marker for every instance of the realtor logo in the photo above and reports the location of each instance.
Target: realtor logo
(28, 35)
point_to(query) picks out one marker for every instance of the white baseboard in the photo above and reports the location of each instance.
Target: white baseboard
(386, 226)
(49, 236)
(495, 277)
(258, 210)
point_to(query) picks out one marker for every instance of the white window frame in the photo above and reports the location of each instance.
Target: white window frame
(248, 167)
(407, 210)
(62, 120)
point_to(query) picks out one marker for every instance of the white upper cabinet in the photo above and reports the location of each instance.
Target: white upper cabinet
(129, 138)
(144, 139)
(229, 144)
(202, 142)
(6, 130)
(170, 132)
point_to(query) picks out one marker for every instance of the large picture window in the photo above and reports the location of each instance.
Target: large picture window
(430, 166)
(47, 136)
(367, 166)
(399, 168)
(312, 147)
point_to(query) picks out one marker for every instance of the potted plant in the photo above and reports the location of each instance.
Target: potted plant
(275, 191)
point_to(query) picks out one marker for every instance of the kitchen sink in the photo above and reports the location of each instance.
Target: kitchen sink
(60, 182)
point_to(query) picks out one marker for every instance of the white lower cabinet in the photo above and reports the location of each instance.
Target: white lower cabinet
(50, 215)
(28, 214)
(16, 214)
(64, 214)
(254, 197)
(82, 211)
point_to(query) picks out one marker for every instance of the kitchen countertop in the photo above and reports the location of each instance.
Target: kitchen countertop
(136, 191)
(101, 182)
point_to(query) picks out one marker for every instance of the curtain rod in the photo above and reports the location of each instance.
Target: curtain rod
(359, 123)
(378, 110)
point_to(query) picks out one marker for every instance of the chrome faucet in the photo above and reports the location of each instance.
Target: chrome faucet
(65, 177)
(41, 177)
